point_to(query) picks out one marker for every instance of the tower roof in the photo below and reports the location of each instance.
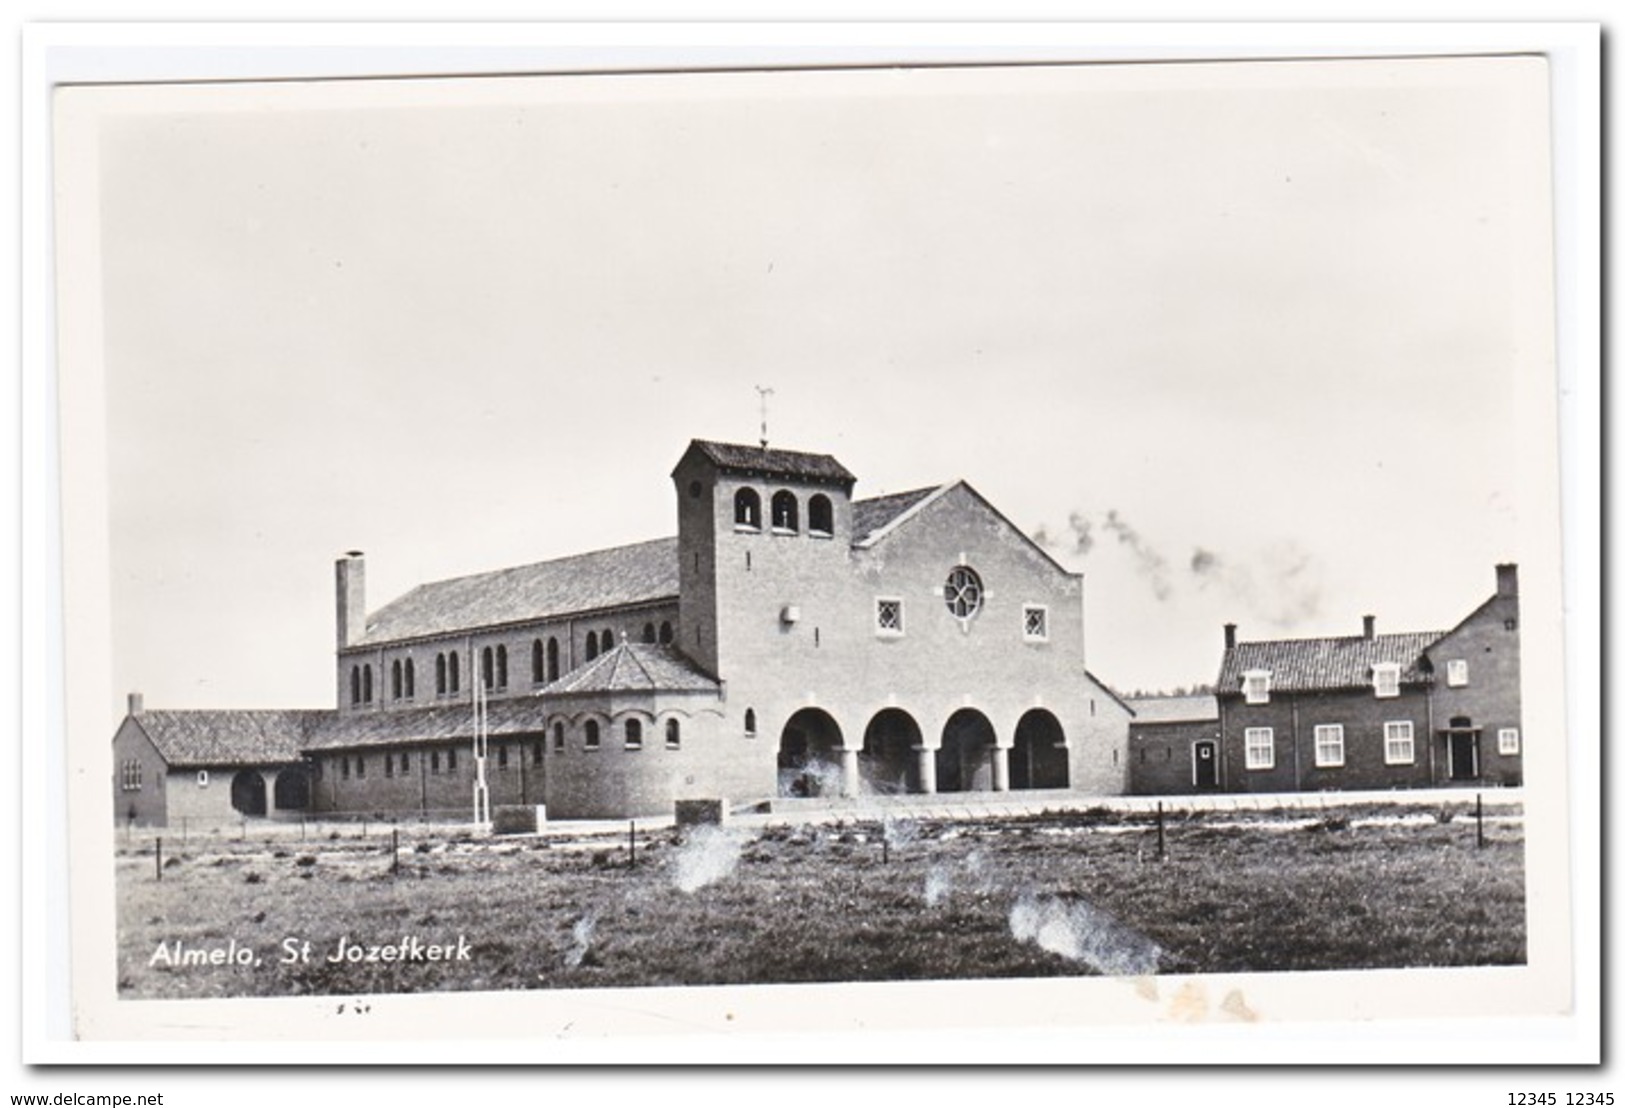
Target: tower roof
(636, 668)
(762, 461)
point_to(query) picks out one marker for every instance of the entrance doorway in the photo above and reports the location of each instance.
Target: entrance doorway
(810, 755)
(248, 793)
(1205, 759)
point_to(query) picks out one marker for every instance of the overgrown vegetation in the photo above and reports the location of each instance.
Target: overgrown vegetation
(850, 902)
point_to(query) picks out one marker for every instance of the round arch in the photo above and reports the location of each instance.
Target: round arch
(810, 754)
(965, 761)
(248, 792)
(887, 764)
(291, 790)
(1038, 759)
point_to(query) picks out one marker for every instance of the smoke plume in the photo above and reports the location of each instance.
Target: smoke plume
(1282, 586)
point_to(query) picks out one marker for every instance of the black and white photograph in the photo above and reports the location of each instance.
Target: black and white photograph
(739, 549)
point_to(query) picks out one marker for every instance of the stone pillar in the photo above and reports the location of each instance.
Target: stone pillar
(928, 768)
(1001, 769)
(850, 782)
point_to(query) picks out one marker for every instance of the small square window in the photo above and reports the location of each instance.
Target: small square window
(1385, 679)
(1035, 623)
(1255, 684)
(1260, 747)
(1399, 742)
(202, 778)
(1507, 741)
(1456, 673)
(1328, 744)
(889, 616)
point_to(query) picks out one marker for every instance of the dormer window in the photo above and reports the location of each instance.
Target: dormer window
(747, 510)
(1455, 674)
(1385, 679)
(1255, 686)
(786, 512)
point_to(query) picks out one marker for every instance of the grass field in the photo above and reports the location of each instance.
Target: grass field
(860, 901)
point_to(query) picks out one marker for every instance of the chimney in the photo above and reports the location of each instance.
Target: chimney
(350, 578)
(1370, 627)
(136, 704)
(1230, 636)
(1506, 579)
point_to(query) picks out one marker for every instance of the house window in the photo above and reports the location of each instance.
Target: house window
(1399, 742)
(1255, 686)
(538, 663)
(344, 767)
(355, 684)
(434, 761)
(360, 766)
(454, 668)
(649, 633)
(592, 645)
(634, 734)
(591, 732)
(552, 659)
(1328, 744)
(786, 512)
(1507, 740)
(1035, 623)
(1260, 747)
(406, 761)
(130, 776)
(889, 616)
(440, 675)
(487, 668)
(366, 683)
(389, 765)
(395, 682)
(750, 723)
(502, 756)
(1455, 674)
(962, 592)
(674, 734)
(451, 760)
(748, 510)
(502, 667)
(606, 641)
(665, 631)
(536, 752)
(1385, 679)
(411, 680)
(820, 517)
(558, 737)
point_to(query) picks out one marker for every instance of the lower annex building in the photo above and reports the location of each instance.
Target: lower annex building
(788, 641)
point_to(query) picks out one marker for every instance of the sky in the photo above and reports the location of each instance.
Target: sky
(1238, 342)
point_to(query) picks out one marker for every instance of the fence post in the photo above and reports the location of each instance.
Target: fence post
(159, 855)
(1162, 851)
(1480, 814)
(632, 843)
(394, 850)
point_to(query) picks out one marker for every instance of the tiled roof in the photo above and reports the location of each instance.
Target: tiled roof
(869, 516)
(634, 668)
(230, 737)
(636, 574)
(1308, 665)
(351, 730)
(1174, 709)
(772, 462)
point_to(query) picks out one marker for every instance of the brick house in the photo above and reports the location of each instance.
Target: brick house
(789, 640)
(1173, 745)
(1373, 711)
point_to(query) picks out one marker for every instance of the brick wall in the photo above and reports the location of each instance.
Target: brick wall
(1161, 756)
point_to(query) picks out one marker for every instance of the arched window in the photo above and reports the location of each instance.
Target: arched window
(820, 516)
(395, 679)
(552, 659)
(538, 662)
(606, 641)
(748, 509)
(591, 732)
(451, 760)
(558, 736)
(648, 632)
(440, 674)
(411, 680)
(355, 684)
(487, 676)
(454, 669)
(634, 734)
(502, 756)
(366, 683)
(592, 645)
(750, 721)
(665, 631)
(536, 752)
(406, 761)
(502, 667)
(786, 514)
(674, 734)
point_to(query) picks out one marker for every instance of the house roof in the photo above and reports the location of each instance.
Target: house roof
(639, 667)
(773, 462)
(641, 573)
(1175, 709)
(353, 730)
(1310, 665)
(206, 737)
